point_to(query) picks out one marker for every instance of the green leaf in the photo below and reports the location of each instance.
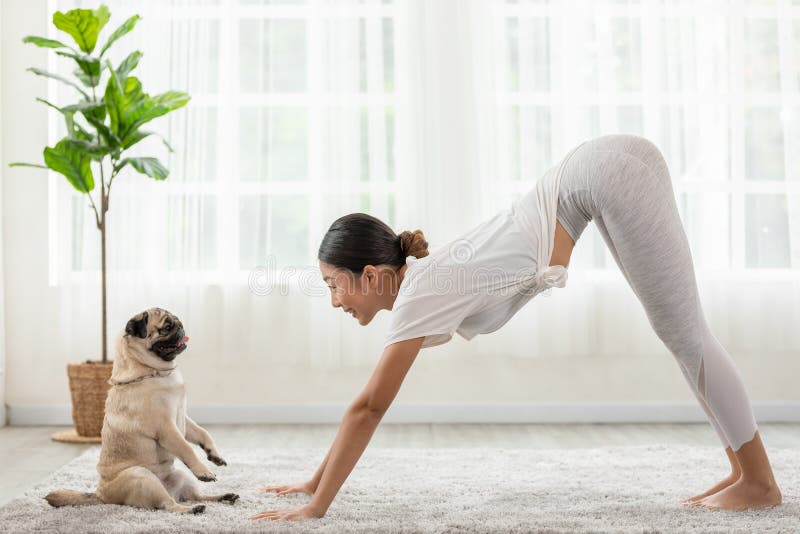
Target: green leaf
(115, 102)
(44, 42)
(73, 128)
(83, 77)
(138, 135)
(69, 117)
(128, 64)
(103, 15)
(69, 159)
(72, 108)
(98, 114)
(85, 105)
(40, 72)
(89, 66)
(49, 104)
(28, 165)
(95, 109)
(82, 134)
(166, 143)
(133, 138)
(152, 108)
(172, 99)
(129, 107)
(95, 151)
(105, 132)
(126, 27)
(149, 166)
(83, 25)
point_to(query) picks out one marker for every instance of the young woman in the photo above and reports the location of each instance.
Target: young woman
(621, 182)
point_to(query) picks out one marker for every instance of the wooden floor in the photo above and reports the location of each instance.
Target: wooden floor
(28, 455)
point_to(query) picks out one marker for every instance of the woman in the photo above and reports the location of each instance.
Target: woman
(622, 183)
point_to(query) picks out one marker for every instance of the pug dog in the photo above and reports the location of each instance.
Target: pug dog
(146, 427)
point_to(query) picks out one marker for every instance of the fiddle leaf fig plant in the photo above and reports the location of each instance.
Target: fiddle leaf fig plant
(101, 128)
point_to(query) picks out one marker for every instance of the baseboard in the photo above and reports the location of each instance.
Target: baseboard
(544, 412)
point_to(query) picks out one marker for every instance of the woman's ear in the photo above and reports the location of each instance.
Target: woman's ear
(382, 276)
(376, 276)
(369, 275)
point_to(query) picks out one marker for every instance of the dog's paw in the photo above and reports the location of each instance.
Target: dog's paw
(206, 476)
(229, 498)
(216, 459)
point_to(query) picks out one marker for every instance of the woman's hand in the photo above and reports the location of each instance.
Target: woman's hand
(289, 514)
(358, 424)
(305, 487)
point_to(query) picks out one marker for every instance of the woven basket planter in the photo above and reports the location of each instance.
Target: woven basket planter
(88, 385)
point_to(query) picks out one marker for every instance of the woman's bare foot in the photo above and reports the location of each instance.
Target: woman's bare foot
(736, 472)
(742, 495)
(730, 479)
(756, 488)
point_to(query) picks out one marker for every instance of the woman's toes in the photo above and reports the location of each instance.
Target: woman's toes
(698, 503)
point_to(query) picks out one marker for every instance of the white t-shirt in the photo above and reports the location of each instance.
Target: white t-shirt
(476, 283)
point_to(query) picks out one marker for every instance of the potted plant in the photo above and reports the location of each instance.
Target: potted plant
(100, 129)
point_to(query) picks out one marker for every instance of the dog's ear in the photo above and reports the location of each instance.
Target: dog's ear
(137, 326)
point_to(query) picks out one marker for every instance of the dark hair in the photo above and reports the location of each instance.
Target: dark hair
(358, 239)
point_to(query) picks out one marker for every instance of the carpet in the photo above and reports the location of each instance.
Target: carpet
(612, 489)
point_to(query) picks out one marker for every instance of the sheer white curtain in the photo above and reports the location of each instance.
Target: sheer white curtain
(292, 123)
(715, 86)
(434, 115)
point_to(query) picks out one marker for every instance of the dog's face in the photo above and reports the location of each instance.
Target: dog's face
(158, 333)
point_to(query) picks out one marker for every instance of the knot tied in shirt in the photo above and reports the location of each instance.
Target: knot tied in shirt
(552, 276)
(549, 277)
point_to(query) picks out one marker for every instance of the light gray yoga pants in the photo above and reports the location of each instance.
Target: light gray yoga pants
(621, 182)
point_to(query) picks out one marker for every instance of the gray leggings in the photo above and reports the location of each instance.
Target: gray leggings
(622, 183)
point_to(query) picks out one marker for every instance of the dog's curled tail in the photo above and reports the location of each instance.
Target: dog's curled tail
(71, 498)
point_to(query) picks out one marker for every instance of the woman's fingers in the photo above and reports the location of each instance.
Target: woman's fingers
(283, 490)
(274, 488)
(266, 515)
(272, 514)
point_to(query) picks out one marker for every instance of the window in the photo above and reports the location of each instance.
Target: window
(298, 110)
(292, 123)
(714, 84)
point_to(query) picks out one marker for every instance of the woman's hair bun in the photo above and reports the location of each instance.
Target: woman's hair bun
(413, 244)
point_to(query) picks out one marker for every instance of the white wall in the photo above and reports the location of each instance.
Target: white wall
(24, 197)
(24, 134)
(2, 296)
(443, 377)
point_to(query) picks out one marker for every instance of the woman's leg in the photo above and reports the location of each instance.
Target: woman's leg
(736, 471)
(638, 219)
(577, 205)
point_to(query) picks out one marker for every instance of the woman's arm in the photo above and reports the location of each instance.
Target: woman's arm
(358, 425)
(318, 475)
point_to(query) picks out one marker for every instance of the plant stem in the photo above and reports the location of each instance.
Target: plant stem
(101, 224)
(94, 208)
(110, 181)
(103, 209)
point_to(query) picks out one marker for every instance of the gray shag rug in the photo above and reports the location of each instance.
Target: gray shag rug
(612, 489)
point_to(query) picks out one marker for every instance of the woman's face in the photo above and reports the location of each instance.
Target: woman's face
(360, 295)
